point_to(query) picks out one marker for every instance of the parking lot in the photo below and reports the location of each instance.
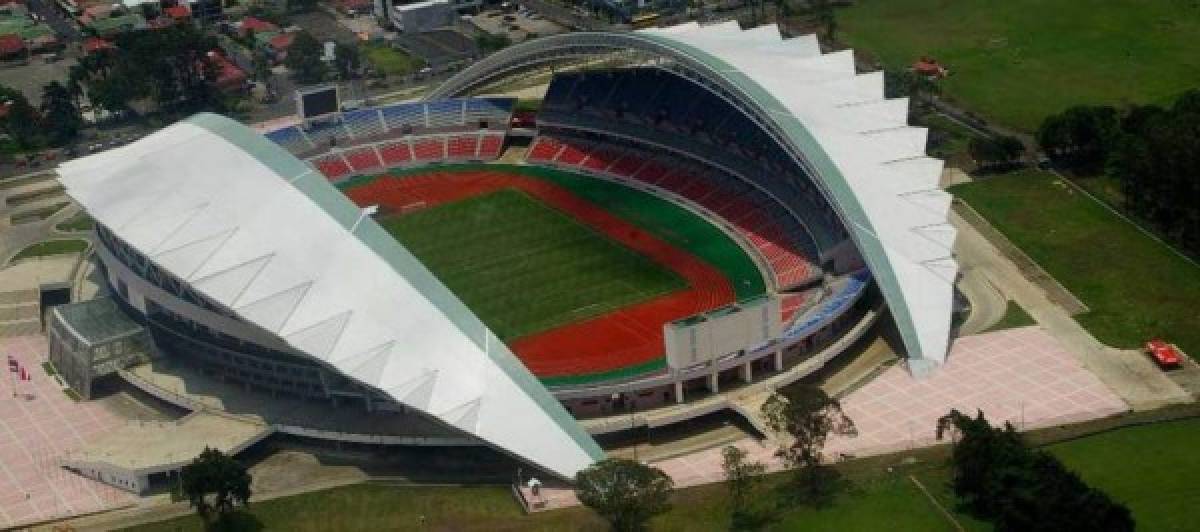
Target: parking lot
(36, 73)
(517, 26)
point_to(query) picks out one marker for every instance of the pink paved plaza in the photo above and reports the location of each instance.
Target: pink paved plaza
(38, 427)
(1023, 376)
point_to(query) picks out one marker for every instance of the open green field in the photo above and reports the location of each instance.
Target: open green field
(523, 266)
(1135, 287)
(391, 61)
(1017, 61)
(1152, 469)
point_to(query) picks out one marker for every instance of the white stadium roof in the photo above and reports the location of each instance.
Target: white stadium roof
(265, 235)
(868, 158)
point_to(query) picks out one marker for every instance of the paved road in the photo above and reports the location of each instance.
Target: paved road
(987, 304)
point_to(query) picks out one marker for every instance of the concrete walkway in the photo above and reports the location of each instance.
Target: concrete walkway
(1133, 377)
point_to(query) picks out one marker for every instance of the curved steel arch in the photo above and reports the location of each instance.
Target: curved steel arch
(758, 104)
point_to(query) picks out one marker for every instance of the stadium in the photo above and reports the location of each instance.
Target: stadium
(689, 210)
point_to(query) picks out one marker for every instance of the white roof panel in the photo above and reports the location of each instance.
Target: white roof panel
(260, 233)
(872, 165)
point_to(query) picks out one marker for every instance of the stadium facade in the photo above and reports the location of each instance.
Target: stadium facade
(235, 250)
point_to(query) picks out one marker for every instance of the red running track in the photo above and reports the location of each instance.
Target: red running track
(619, 339)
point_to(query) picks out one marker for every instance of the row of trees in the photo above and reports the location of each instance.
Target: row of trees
(306, 63)
(55, 123)
(999, 478)
(995, 152)
(169, 68)
(1153, 151)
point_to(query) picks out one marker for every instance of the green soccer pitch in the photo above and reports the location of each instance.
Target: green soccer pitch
(524, 267)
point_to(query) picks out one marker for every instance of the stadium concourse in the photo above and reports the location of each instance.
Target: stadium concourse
(747, 229)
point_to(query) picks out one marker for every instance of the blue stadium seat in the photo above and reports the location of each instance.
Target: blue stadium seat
(405, 114)
(490, 110)
(445, 113)
(291, 139)
(363, 123)
(322, 134)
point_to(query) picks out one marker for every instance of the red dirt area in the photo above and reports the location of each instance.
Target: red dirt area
(619, 339)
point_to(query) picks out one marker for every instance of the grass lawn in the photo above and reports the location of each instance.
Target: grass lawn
(889, 502)
(525, 267)
(1014, 316)
(52, 247)
(391, 61)
(1152, 469)
(1017, 61)
(1136, 288)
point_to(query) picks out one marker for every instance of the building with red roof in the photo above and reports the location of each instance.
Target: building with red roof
(252, 25)
(928, 66)
(178, 13)
(12, 46)
(229, 76)
(92, 45)
(278, 45)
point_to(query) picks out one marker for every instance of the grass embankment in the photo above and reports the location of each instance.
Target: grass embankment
(1014, 316)
(52, 247)
(1136, 288)
(79, 222)
(1018, 61)
(1150, 468)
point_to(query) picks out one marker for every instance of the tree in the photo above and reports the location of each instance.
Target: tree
(806, 415)
(997, 477)
(347, 61)
(19, 119)
(304, 59)
(823, 15)
(215, 485)
(1080, 136)
(742, 479)
(488, 43)
(170, 67)
(624, 492)
(60, 116)
(905, 83)
(1003, 150)
(261, 66)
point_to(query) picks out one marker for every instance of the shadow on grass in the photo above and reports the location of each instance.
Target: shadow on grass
(237, 521)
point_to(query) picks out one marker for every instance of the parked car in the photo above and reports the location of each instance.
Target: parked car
(1166, 355)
